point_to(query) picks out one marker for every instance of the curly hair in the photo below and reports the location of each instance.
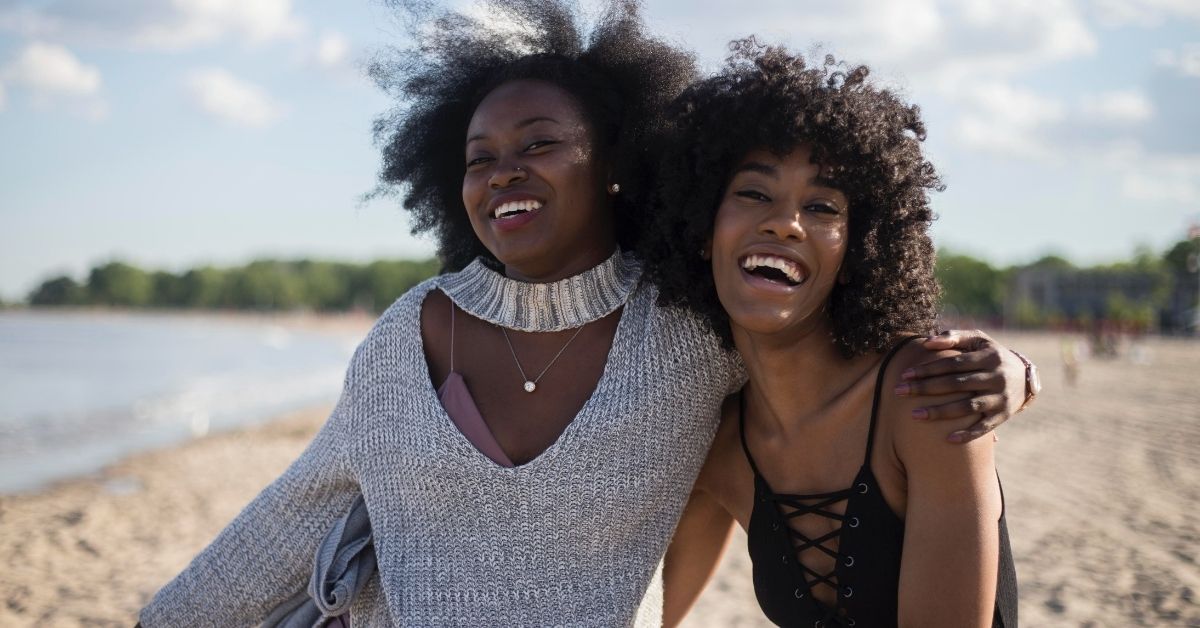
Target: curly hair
(621, 77)
(768, 98)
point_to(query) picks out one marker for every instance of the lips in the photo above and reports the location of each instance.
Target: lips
(775, 268)
(515, 207)
(507, 206)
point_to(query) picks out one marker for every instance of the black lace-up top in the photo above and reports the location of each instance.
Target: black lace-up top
(865, 544)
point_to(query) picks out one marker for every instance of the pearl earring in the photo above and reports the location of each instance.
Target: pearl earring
(614, 188)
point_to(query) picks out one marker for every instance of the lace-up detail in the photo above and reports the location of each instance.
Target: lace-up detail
(784, 509)
(789, 507)
(864, 547)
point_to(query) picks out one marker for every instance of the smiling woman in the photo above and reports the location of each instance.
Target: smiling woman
(524, 430)
(813, 219)
(534, 189)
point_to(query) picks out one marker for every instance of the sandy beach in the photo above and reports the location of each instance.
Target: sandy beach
(1102, 481)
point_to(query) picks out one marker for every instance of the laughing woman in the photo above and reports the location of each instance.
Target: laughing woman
(524, 430)
(806, 190)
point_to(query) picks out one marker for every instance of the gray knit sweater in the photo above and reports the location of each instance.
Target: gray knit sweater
(575, 537)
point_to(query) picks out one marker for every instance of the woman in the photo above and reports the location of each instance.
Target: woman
(524, 430)
(806, 190)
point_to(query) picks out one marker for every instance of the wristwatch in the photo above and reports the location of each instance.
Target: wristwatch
(1033, 381)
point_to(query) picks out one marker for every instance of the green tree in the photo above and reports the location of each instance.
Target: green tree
(970, 285)
(384, 281)
(58, 291)
(327, 285)
(168, 289)
(203, 288)
(1176, 257)
(265, 285)
(119, 284)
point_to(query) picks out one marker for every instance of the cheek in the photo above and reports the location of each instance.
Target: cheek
(725, 230)
(471, 190)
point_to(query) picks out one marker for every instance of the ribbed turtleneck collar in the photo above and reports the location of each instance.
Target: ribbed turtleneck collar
(564, 304)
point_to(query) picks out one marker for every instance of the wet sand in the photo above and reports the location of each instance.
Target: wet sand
(1102, 482)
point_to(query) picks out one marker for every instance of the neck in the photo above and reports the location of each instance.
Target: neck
(547, 273)
(794, 375)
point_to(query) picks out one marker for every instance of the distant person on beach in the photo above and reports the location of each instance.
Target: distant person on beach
(523, 430)
(801, 191)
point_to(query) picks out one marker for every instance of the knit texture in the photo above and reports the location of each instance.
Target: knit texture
(575, 537)
(564, 304)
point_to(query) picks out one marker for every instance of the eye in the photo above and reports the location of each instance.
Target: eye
(477, 161)
(823, 208)
(540, 144)
(753, 195)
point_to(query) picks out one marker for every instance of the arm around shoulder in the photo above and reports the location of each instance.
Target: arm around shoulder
(951, 539)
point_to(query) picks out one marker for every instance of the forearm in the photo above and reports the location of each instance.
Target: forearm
(266, 554)
(951, 538)
(692, 558)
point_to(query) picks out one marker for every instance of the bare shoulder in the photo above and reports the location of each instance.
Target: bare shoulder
(899, 409)
(915, 440)
(435, 333)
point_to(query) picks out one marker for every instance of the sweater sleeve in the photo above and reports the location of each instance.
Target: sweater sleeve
(266, 554)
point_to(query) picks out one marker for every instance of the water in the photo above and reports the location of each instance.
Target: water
(79, 391)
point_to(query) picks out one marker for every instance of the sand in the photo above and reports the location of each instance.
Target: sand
(1102, 482)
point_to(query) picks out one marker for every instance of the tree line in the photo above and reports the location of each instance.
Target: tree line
(259, 285)
(971, 287)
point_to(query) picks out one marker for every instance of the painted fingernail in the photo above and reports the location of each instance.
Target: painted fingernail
(909, 374)
(903, 389)
(920, 413)
(956, 437)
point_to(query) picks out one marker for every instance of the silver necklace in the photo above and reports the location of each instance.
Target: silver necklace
(531, 385)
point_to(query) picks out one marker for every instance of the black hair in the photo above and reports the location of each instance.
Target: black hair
(766, 97)
(621, 77)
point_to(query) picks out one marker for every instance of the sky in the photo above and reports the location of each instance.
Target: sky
(176, 133)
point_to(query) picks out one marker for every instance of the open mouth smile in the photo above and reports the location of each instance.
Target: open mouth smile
(515, 208)
(775, 269)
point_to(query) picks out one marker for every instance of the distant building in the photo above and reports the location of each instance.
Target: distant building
(1074, 295)
(1179, 315)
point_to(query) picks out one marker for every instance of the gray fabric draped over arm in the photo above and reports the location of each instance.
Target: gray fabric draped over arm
(344, 562)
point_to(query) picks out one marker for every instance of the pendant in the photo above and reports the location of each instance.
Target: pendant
(530, 387)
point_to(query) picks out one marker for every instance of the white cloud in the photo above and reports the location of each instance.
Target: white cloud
(55, 78)
(1186, 60)
(1149, 177)
(49, 69)
(155, 24)
(1005, 119)
(333, 50)
(1119, 107)
(203, 21)
(225, 96)
(1146, 13)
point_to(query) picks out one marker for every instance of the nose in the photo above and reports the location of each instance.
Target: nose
(506, 175)
(784, 223)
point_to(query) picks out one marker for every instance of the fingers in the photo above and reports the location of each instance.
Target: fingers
(958, 339)
(985, 359)
(985, 406)
(982, 427)
(976, 381)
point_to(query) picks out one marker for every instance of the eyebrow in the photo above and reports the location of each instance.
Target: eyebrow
(520, 125)
(759, 167)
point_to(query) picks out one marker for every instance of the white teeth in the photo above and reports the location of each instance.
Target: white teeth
(515, 207)
(782, 264)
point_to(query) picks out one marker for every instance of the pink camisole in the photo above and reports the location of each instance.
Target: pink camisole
(461, 408)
